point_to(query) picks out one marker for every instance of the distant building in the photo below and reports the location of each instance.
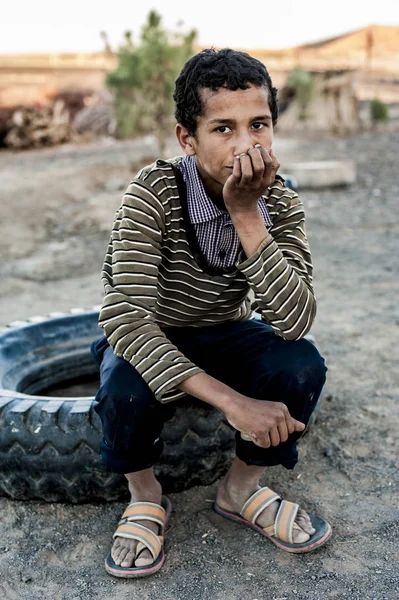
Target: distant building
(372, 53)
(35, 78)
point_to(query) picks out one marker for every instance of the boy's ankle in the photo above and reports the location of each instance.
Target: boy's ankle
(145, 491)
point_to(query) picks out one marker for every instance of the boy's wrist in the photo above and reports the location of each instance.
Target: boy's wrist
(226, 401)
(251, 231)
(213, 392)
(247, 221)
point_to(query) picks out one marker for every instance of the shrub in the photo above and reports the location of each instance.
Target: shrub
(378, 111)
(303, 83)
(144, 80)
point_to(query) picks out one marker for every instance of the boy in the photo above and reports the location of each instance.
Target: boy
(192, 237)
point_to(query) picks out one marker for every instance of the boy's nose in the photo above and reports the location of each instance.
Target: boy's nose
(244, 143)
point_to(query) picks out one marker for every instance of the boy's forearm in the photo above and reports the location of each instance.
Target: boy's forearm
(258, 420)
(250, 229)
(210, 390)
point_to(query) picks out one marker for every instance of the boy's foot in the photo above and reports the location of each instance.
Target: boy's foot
(123, 551)
(130, 527)
(233, 500)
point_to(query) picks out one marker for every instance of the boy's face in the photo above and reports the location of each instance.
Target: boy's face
(233, 122)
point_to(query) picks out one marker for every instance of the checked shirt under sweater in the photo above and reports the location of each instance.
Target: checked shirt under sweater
(216, 236)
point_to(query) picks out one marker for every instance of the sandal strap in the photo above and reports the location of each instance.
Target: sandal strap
(257, 503)
(269, 530)
(140, 547)
(148, 538)
(285, 519)
(144, 511)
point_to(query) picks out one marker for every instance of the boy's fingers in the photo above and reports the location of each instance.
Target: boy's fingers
(265, 443)
(275, 163)
(289, 421)
(274, 437)
(271, 165)
(298, 425)
(246, 168)
(283, 431)
(257, 161)
(267, 159)
(237, 168)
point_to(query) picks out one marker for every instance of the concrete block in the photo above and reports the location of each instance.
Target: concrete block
(322, 174)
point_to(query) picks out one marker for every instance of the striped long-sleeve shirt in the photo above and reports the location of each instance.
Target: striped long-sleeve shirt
(155, 276)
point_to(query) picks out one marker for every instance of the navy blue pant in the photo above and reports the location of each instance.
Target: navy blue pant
(245, 355)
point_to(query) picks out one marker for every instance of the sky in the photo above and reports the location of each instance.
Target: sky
(75, 25)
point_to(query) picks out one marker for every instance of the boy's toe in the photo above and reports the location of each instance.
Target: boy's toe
(122, 555)
(145, 558)
(128, 559)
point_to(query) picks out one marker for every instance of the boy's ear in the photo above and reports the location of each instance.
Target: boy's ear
(186, 141)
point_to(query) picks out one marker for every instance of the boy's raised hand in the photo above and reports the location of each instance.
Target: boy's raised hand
(253, 172)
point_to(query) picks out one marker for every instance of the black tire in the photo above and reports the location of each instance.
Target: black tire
(49, 445)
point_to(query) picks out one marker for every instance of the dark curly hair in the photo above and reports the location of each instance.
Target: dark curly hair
(214, 69)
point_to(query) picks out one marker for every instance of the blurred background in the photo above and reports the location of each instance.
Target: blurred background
(85, 102)
(84, 72)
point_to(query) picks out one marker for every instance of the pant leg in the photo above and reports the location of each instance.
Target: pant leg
(132, 418)
(247, 356)
(295, 374)
(250, 358)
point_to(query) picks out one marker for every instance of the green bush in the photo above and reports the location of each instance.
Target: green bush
(379, 111)
(303, 83)
(143, 82)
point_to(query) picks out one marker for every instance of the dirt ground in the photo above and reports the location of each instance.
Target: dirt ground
(56, 211)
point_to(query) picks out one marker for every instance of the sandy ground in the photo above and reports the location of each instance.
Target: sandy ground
(56, 211)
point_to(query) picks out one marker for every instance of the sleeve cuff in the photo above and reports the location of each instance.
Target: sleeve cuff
(243, 263)
(168, 392)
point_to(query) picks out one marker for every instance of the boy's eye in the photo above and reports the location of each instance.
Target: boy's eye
(223, 129)
(258, 125)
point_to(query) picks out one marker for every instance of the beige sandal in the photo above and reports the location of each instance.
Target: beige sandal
(147, 539)
(280, 533)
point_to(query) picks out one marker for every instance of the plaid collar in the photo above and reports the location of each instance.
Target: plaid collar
(201, 209)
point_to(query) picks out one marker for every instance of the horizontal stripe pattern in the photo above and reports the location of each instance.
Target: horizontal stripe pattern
(281, 273)
(152, 280)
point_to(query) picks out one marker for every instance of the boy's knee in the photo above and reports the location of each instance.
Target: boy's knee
(123, 381)
(308, 369)
(125, 403)
(302, 374)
